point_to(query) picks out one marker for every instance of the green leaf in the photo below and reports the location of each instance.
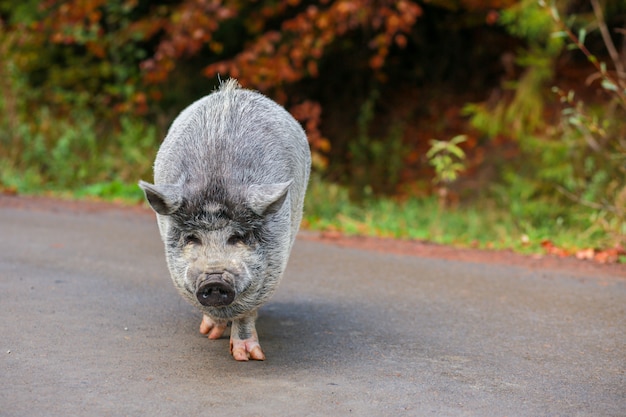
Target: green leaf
(436, 147)
(555, 12)
(609, 85)
(458, 139)
(582, 34)
(574, 120)
(458, 152)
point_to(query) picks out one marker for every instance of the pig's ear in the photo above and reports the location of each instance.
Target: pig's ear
(262, 197)
(165, 199)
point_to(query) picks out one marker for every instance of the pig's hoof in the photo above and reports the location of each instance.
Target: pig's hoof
(243, 350)
(212, 328)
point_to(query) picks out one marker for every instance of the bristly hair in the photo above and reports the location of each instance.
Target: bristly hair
(229, 85)
(215, 207)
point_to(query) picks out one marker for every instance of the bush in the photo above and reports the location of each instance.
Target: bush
(576, 156)
(46, 150)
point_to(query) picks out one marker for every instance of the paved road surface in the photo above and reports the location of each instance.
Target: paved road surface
(90, 325)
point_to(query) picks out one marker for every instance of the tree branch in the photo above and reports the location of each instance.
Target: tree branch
(606, 36)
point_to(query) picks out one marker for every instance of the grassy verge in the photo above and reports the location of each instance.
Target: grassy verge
(480, 224)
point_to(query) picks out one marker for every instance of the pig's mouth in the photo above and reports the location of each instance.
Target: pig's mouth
(214, 291)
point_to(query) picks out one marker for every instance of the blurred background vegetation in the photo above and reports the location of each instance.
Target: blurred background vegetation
(490, 123)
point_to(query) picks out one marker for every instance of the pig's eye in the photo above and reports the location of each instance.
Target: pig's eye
(192, 239)
(239, 238)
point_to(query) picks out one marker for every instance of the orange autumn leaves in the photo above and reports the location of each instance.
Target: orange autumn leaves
(603, 256)
(280, 54)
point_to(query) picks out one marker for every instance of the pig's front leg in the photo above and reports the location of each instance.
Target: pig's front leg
(214, 329)
(244, 342)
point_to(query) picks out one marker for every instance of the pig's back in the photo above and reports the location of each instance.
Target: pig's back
(237, 134)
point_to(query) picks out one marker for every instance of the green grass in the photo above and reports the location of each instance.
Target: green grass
(481, 223)
(112, 191)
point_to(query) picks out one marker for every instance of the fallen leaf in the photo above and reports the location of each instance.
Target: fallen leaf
(585, 253)
(607, 256)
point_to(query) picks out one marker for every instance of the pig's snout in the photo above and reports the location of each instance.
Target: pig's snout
(214, 291)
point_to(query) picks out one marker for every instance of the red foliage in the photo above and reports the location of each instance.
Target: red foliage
(275, 58)
(309, 114)
(188, 29)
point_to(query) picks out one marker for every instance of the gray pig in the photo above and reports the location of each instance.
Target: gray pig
(230, 179)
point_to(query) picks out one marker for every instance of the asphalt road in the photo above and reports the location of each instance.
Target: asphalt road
(90, 325)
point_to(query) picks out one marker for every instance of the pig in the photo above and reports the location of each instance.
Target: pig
(229, 185)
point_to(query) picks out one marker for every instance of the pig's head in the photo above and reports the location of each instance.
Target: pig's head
(222, 246)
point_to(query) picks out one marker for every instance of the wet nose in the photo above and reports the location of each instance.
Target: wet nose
(213, 291)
